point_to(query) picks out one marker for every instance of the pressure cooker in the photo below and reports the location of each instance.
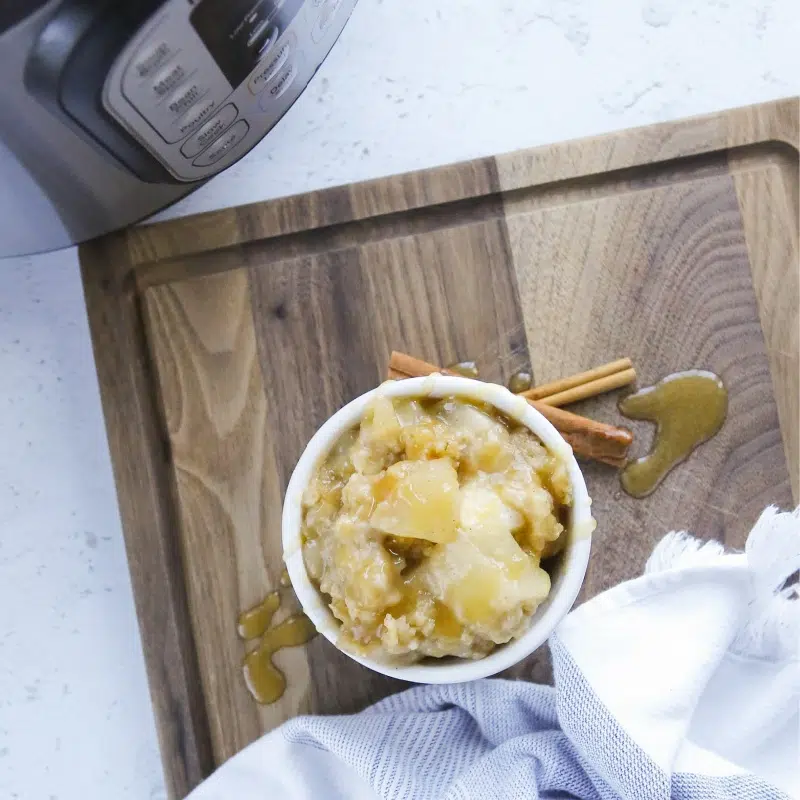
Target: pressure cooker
(113, 109)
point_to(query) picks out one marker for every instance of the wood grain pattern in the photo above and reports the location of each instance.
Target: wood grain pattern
(224, 340)
(772, 243)
(214, 402)
(662, 275)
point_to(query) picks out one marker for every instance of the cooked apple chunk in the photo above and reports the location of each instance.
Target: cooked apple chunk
(423, 503)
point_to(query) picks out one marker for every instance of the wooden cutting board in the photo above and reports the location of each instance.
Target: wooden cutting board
(224, 340)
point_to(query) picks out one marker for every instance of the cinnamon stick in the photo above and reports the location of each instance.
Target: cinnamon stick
(587, 437)
(561, 385)
(589, 389)
(415, 367)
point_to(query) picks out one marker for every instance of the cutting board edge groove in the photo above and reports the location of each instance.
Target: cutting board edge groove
(379, 226)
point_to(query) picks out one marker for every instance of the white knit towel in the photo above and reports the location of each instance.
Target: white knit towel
(683, 684)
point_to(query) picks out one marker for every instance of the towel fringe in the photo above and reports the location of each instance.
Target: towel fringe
(681, 549)
(772, 628)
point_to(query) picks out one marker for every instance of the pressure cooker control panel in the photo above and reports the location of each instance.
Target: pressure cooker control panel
(202, 82)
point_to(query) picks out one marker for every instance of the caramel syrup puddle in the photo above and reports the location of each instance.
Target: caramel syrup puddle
(265, 682)
(255, 621)
(520, 381)
(688, 408)
(467, 369)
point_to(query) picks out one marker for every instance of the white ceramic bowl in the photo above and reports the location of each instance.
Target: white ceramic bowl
(566, 582)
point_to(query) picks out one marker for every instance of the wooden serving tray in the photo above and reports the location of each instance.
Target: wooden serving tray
(224, 340)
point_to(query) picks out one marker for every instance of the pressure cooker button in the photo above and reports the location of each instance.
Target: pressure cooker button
(267, 69)
(214, 127)
(189, 121)
(262, 38)
(150, 58)
(221, 146)
(182, 100)
(280, 84)
(168, 79)
(326, 15)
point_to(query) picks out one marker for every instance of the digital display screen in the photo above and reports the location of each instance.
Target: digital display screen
(239, 33)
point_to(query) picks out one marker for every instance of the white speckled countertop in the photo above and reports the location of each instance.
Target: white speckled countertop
(409, 85)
